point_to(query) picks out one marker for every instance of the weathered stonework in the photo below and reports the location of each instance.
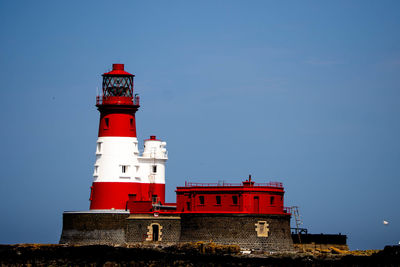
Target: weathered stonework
(139, 229)
(249, 231)
(238, 229)
(94, 228)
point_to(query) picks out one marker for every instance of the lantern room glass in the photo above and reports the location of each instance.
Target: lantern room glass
(118, 86)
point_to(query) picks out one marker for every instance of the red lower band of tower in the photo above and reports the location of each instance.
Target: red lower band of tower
(114, 195)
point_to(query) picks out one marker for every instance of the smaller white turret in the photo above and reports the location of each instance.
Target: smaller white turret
(154, 148)
(152, 161)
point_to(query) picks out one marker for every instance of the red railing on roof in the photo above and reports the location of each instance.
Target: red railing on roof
(117, 100)
(270, 184)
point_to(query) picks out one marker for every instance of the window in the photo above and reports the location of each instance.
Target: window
(154, 168)
(234, 200)
(154, 198)
(124, 168)
(262, 229)
(218, 199)
(118, 86)
(96, 169)
(107, 122)
(98, 146)
(131, 123)
(201, 199)
(272, 200)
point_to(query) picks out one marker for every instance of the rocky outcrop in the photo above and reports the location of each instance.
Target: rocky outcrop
(196, 254)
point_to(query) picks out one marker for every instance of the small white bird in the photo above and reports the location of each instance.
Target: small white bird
(385, 222)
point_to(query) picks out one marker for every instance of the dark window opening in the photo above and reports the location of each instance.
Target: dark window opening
(218, 198)
(124, 168)
(272, 200)
(234, 200)
(154, 198)
(155, 232)
(107, 122)
(131, 123)
(91, 193)
(201, 198)
(154, 168)
(188, 205)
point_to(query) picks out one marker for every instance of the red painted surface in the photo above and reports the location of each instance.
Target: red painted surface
(108, 195)
(140, 206)
(118, 69)
(246, 198)
(117, 122)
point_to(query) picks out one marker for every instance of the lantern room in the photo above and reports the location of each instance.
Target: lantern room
(117, 87)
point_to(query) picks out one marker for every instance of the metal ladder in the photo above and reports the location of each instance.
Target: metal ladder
(297, 219)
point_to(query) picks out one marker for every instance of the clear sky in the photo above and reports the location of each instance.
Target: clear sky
(302, 92)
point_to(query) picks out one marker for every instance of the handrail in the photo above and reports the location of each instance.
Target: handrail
(223, 184)
(117, 100)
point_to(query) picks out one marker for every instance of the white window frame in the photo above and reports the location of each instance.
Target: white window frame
(98, 147)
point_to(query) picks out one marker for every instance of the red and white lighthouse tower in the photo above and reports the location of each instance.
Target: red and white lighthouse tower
(120, 171)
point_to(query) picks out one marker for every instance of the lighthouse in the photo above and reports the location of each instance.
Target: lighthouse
(121, 172)
(127, 200)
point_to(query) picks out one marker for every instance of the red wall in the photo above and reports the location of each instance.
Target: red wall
(188, 199)
(108, 195)
(120, 123)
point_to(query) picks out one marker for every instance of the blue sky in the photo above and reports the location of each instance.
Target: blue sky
(302, 92)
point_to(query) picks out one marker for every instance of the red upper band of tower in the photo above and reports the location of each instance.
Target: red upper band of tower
(117, 104)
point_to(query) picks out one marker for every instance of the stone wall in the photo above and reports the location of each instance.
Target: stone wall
(94, 228)
(140, 229)
(251, 231)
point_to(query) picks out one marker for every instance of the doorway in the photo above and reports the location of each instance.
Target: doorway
(256, 207)
(155, 229)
